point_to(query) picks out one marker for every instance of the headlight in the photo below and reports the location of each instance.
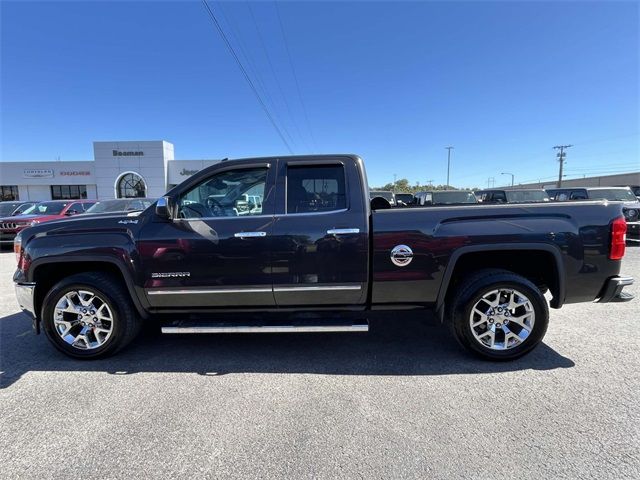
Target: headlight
(17, 247)
(631, 214)
(33, 222)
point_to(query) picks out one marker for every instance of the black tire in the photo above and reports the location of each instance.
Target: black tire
(472, 289)
(126, 323)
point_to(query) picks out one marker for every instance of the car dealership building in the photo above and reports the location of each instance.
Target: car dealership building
(118, 170)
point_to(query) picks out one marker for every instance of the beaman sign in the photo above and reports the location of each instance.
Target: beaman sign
(135, 153)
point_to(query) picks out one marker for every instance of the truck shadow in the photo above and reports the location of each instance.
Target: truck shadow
(403, 347)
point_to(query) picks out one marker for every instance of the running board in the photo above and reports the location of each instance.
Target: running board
(191, 327)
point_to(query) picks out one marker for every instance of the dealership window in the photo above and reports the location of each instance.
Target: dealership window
(9, 192)
(66, 192)
(131, 185)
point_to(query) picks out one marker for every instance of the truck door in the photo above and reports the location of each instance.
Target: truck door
(320, 235)
(216, 253)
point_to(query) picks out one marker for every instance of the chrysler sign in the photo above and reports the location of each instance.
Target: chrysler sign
(38, 173)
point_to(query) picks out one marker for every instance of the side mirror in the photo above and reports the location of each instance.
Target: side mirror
(163, 207)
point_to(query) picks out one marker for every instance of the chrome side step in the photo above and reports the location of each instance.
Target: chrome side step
(226, 328)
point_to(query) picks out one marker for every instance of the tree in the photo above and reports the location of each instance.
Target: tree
(403, 186)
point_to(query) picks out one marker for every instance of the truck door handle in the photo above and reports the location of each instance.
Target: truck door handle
(342, 231)
(250, 234)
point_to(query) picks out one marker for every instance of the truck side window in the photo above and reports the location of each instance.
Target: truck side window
(315, 188)
(231, 193)
(499, 197)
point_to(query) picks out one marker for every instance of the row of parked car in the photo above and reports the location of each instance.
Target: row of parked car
(16, 216)
(630, 195)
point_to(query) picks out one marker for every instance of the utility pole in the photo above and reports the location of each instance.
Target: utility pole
(491, 181)
(395, 176)
(512, 177)
(449, 148)
(561, 156)
(430, 182)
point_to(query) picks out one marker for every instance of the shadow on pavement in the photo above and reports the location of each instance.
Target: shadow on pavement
(403, 347)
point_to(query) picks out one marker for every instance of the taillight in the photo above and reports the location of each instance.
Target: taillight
(618, 238)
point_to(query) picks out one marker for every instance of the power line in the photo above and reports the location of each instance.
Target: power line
(273, 71)
(251, 66)
(295, 77)
(246, 75)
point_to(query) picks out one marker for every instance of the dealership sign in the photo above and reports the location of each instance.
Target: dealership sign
(135, 153)
(75, 173)
(184, 172)
(38, 173)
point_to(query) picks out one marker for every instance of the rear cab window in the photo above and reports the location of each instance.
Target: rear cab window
(315, 188)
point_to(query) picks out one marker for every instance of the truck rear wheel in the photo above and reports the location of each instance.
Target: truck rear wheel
(89, 315)
(499, 315)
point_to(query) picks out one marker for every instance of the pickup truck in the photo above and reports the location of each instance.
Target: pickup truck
(315, 257)
(630, 203)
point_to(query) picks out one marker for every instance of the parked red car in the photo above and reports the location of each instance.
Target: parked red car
(41, 212)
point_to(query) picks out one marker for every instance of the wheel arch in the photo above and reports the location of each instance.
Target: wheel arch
(46, 272)
(495, 256)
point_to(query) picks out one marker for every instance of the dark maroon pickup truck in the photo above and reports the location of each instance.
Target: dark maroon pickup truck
(296, 240)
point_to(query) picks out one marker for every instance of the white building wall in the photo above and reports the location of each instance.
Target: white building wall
(150, 165)
(92, 192)
(156, 165)
(35, 192)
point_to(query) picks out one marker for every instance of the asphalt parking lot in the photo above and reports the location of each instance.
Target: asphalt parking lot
(402, 402)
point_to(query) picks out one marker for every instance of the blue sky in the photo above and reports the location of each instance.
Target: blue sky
(395, 82)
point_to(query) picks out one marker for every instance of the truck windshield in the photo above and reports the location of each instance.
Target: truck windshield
(46, 208)
(515, 196)
(621, 194)
(404, 197)
(7, 209)
(109, 206)
(445, 198)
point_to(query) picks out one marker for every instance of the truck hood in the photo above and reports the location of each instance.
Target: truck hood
(19, 218)
(84, 224)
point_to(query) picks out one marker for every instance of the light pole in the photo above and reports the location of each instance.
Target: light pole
(512, 176)
(449, 148)
(561, 156)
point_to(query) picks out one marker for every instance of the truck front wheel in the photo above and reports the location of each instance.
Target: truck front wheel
(89, 315)
(499, 315)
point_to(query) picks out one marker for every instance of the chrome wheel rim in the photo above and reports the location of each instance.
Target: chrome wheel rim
(502, 319)
(83, 320)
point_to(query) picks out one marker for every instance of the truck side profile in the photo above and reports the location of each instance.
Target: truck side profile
(294, 239)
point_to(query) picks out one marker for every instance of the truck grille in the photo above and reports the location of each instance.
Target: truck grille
(631, 214)
(8, 225)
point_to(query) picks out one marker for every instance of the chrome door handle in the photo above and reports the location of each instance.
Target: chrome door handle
(342, 231)
(250, 234)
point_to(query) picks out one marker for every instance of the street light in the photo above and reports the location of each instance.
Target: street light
(512, 176)
(448, 162)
